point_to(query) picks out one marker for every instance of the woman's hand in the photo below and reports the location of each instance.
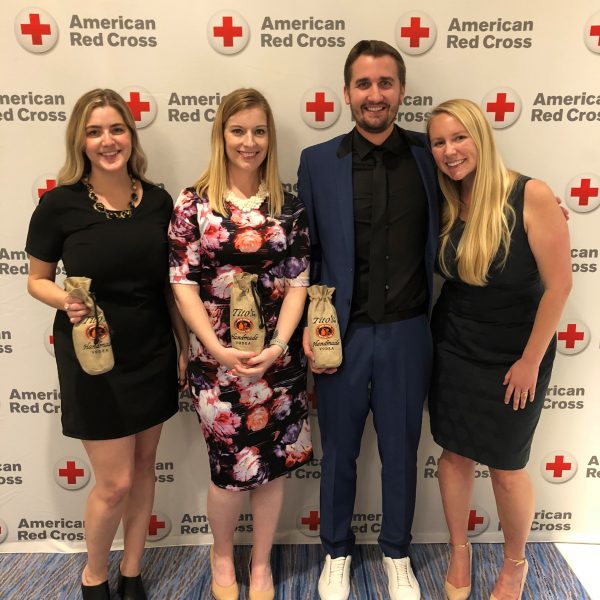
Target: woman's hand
(520, 381)
(75, 309)
(257, 366)
(182, 364)
(311, 357)
(232, 358)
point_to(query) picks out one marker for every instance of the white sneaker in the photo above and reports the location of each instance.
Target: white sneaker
(334, 583)
(402, 583)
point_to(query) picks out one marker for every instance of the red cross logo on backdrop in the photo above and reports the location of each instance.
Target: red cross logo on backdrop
(558, 467)
(3, 531)
(478, 522)
(591, 34)
(572, 336)
(308, 522)
(141, 104)
(50, 184)
(42, 184)
(502, 106)
(71, 473)
(312, 400)
(415, 32)
(49, 340)
(320, 107)
(159, 526)
(36, 30)
(583, 193)
(228, 32)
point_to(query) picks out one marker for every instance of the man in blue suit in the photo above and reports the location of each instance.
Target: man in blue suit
(372, 202)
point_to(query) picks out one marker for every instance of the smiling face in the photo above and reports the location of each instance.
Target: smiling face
(453, 149)
(374, 95)
(107, 140)
(246, 138)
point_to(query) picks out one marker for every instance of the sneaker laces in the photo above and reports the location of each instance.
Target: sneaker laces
(336, 569)
(401, 567)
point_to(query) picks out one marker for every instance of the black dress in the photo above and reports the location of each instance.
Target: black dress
(479, 332)
(127, 260)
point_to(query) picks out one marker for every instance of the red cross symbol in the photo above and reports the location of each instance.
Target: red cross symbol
(312, 398)
(50, 184)
(571, 335)
(312, 520)
(415, 32)
(558, 466)
(51, 339)
(500, 107)
(35, 29)
(319, 106)
(71, 472)
(227, 31)
(586, 191)
(595, 30)
(136, 106)
(154, 525)
(474, 520)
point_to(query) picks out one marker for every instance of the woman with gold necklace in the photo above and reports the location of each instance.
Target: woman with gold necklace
(107, 222)
(253, 408)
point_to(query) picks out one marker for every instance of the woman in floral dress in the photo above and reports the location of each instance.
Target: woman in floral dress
(252, 407)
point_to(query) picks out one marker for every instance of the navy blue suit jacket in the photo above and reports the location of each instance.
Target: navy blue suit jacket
(325, 188)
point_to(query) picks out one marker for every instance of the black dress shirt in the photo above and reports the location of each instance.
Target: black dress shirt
(405, 229)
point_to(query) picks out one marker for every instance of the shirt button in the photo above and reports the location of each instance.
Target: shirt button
(387, 287)
(387, 257)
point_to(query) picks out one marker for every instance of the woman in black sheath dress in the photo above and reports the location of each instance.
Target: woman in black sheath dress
(105, 221)
(504, 252)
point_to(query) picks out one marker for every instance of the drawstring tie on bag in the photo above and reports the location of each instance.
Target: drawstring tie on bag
(255, 294)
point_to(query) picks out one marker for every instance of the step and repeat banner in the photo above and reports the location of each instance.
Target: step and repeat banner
(533, 67)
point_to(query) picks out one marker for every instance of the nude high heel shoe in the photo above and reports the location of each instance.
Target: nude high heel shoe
(517, 563)
(219, 592)
(462, 593)
(255, 594)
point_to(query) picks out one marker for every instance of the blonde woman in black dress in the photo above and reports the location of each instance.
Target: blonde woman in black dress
(504, 252)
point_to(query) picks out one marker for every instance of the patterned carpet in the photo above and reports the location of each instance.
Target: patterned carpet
(182, 573)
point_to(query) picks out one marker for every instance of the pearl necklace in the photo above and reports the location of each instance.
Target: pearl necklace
(108, 213)
(248, 204)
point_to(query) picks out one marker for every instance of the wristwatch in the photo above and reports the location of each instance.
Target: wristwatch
(277, 342)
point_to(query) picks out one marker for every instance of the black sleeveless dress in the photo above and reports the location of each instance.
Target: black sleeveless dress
(478, 333)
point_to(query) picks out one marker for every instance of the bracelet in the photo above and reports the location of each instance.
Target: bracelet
(277, 342)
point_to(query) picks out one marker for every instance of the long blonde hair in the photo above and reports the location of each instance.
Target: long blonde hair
(77, 164)
(490, 218)
(213, 182)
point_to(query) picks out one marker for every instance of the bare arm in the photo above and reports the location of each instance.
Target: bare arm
(41, 285)
(548, 237)
(181, 333)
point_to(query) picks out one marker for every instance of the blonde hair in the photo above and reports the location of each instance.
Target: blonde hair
(490, 218)
(213, 182)
(77, 164)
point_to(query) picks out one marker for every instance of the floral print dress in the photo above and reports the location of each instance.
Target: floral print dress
(255, 429)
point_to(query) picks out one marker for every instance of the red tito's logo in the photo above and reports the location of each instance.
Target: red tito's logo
(591, 33)
(415, 32)
(308, 522)
(44, 183)
(159, 526)
(36, 30)
(71, 473)
(141, 104)
(325, 330)
(502, 106)
(583, 193)
(100, 331)
(558, 467)
(228, 32)
(320, 107)
(3, 531)
(243, 325)
(478, 522)
(572, 336)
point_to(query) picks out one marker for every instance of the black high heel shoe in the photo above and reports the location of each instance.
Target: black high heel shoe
(131, 588)
(95, 592)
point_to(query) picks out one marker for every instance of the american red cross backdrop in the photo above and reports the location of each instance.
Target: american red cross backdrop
(532, 70)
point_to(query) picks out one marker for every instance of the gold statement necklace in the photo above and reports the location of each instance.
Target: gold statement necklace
(108, 213)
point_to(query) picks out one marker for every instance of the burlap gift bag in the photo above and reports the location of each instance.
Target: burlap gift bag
(323, 328)
(91, 336)
(246, 319)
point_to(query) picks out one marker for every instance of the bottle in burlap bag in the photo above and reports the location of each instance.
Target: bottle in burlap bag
(91, 336)
(246, 319)
(323, 328)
